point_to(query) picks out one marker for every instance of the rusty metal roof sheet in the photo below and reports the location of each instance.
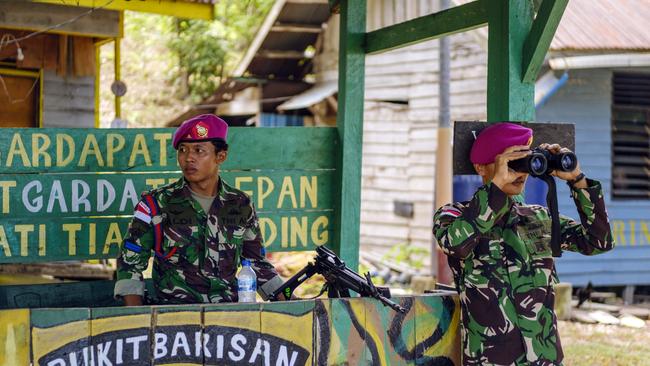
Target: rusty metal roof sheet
(595, 25)
(600, 25)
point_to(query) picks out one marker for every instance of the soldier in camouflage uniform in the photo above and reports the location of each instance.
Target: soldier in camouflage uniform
(499, 252)
(198, 229)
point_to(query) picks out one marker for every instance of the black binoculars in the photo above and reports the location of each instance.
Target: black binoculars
(542, 161)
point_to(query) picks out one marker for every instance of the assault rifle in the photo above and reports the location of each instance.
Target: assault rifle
(339, 280)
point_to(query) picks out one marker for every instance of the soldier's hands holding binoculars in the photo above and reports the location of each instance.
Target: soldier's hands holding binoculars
(503, 174)
(547, 159)
(564, 175)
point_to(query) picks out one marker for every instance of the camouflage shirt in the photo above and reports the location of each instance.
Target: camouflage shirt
(199, 253)
(499, 252)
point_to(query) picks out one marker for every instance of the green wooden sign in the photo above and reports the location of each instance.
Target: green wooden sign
(102, 194)
(57, 239)
(108, 150)
(70, 194)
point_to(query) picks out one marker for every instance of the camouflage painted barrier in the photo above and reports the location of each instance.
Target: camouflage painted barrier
(356, 331)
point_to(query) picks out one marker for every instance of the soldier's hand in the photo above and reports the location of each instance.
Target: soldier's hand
(132, 300)
(556, 149)
(502, 173)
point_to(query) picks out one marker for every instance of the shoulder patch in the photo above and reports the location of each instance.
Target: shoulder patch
(142, 212)
(450, 211)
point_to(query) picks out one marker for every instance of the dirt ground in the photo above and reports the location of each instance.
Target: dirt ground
(604, 345)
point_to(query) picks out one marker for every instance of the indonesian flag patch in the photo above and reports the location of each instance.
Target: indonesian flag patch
(142, 213)
(451, 211)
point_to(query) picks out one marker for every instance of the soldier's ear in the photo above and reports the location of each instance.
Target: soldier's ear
(222, 156)
(480, 169)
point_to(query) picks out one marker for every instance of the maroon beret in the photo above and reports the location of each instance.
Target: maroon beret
(496, 138)
(201, 128)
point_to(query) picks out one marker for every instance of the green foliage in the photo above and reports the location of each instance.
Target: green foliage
(169, 64)
(208, 51)
(407, 254)
(375, 279)
(148, 67)
(201, 51)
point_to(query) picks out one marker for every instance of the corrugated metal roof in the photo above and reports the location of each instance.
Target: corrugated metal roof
(310, 96)
(599, 25)
(595, 25)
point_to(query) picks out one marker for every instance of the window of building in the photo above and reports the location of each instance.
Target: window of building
(631, 136)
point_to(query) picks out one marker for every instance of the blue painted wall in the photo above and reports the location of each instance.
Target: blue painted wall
(586, 102)
(280, 120)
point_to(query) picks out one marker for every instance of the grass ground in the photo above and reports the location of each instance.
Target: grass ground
(604, 345)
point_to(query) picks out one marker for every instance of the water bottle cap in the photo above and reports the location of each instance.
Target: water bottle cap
(245, 262)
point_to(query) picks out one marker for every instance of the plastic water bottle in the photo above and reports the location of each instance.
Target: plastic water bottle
(246, 282)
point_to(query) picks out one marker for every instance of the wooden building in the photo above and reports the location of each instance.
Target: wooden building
(597, 76)
(49, 77)
(49, 56)
(601, 58)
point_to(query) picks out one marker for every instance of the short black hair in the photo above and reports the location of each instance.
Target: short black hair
(219, 145)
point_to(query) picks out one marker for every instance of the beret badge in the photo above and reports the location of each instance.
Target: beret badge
(201, 130)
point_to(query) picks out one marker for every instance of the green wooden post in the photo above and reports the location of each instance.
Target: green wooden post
(508, 97)
(458, 19)
(540, 37)
(350, 127)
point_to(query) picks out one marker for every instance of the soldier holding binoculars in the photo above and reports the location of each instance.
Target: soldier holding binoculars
(499, 249)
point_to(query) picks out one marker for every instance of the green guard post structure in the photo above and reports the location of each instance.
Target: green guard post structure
(67, 194)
